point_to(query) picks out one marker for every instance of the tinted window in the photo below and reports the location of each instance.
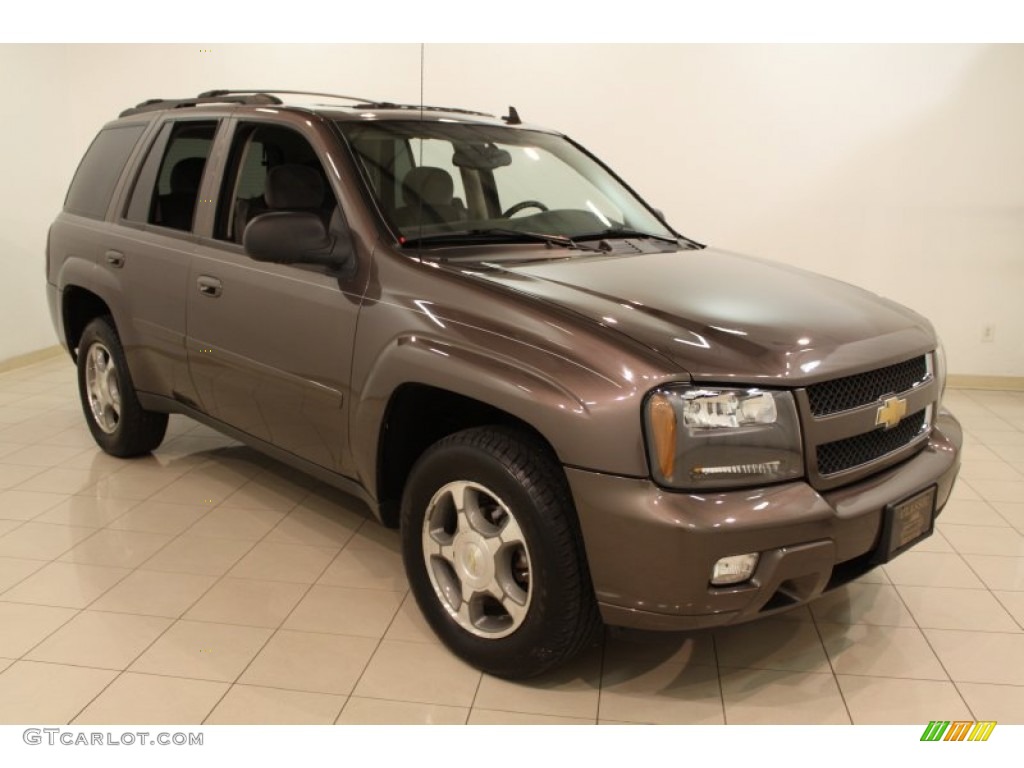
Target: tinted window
(167, 189)
(140, 207)
(257, 149)
(100, 169)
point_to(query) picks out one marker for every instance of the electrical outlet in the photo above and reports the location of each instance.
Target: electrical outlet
(988, 333)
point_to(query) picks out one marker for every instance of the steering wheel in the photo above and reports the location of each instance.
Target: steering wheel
(523, 206)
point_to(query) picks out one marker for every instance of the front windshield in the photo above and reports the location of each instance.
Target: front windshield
(438, 180)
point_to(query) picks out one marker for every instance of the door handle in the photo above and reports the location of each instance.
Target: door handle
(115, 259)
(209, 286)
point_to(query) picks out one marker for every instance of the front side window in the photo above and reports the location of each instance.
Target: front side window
(438, 179)
(271, 168)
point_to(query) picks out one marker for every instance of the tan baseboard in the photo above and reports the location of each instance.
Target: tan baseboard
(1004, 383)
(20, 361)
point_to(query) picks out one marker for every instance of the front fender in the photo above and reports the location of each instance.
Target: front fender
(588, 419)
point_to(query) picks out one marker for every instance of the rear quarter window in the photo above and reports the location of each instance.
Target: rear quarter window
(97, 174)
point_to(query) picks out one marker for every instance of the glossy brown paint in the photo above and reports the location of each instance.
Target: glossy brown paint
(303, 364)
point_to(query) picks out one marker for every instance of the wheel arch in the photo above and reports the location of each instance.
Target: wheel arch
(417, 416)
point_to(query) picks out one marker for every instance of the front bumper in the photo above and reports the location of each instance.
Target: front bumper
(651, 551)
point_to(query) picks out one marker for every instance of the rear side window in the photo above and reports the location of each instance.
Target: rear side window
(97, 174)
(167, 189)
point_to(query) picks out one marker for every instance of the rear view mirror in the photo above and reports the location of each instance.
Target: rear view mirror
(298, 237)
(481, 157)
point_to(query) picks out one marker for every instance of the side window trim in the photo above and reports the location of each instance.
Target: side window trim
(155, 148)
(227, 168)
(155, 144)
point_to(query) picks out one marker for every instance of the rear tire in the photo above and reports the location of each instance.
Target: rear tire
(119, 424)
(493, 552)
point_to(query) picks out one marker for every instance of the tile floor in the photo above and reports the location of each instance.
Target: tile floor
(207, 584)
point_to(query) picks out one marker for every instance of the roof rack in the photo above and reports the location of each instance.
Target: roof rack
(270, 96)
(361, 102)
(152, 105)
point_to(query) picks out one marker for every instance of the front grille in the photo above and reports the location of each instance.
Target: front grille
(862, 449)
(863, 388)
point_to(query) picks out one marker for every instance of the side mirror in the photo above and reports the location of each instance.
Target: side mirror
(299, 237)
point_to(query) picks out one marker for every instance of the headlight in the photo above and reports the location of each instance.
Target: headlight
(704, 437)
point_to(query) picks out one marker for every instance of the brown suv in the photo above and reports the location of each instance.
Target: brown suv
(572, 412)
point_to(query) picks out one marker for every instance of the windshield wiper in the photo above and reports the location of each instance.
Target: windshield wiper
(625, 232)
(497, 234)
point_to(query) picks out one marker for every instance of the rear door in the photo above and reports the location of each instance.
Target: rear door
(270, 345)
(150, 250)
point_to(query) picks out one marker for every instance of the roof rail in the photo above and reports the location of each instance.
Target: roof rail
(152, 105)
(270, 96)
(361, 102)
(259, 91)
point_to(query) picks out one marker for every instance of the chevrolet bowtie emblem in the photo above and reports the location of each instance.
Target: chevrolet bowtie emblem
(891, 412)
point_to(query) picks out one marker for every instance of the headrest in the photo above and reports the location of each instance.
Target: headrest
(431, 186)
(186, 175)
(294, 186)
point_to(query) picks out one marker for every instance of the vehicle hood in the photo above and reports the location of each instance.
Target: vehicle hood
(724, 317)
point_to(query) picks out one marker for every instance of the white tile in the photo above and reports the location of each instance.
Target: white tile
(339, 610)
(136, 699)
(765, 697)
(158, 517)
(480, 716)
(231, 523)
(283, 562)
(13, 570)
(943, 608)
(202, 650)
(984, 540)
(980, 657)
(71, 585)
(253, 705)
(154, 593)
(861, 649)
(959, 512)
(670, 693)
(360, 711)
(998, 572)
(310, 661)
(888, 701)
(101, 640)
(125, 549)
(772, 644)
(24, 626)
(1003, 703)
(569, 691)
(26, 505)
(248, 602)
(863, 604)
(36, 692)
(931, 569)
(418, 672)
(39, 541)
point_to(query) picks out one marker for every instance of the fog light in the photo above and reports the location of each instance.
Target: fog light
(734, 569)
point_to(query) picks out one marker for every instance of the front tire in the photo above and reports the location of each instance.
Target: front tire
(493, 553)
(118, 423)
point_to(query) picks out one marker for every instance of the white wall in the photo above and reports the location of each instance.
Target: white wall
(899, 168)
(36, 160)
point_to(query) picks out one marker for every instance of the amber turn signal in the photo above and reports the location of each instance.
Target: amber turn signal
(663, 429)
